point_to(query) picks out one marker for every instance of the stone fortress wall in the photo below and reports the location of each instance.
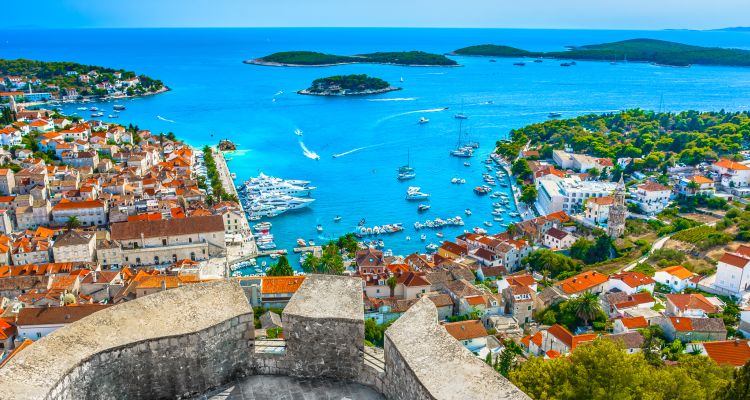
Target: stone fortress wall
(184, 342)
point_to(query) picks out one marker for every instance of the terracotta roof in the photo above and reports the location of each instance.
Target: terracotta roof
(678, 271)
(729, 164)
(743, 250)
(699, 179)
(561, 334)
(633, 278)
(683, 324)
(441, 300)
(653, 187)
(581, 282)
(369, 258)
(631, 340)
(466, 330)
(602, 201)
(281, 284)
(552, 354)
(73, 205)
(734, 260)
(729, 352)
(412, 278)
(170, 227)
(634, 322)
(523, 280)
(624, 300)
(56, 315)
(475, 300)
(692, 301)
(454, 248)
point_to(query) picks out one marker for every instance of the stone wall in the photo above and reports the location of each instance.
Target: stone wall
(163, 346)
(423, 361)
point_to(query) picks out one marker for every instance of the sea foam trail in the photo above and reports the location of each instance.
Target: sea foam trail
(431, 110)
(309, 154)
(164, 119)
(356, 150)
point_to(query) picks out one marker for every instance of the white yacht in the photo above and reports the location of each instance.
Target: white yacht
(414, 193)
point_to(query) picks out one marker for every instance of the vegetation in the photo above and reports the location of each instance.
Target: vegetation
(348, 85)
(574, 313)
(739, 388)
(60, 74)
(218, 193)
(552, 264)
(72, 223)
(330, 262)
(529, 194)
(506, 360)
(398, 58)
(602, 370)
(703, 237)
(591, 252)
(643, 50)
(281, 268)
(660, 140)
(374, 332)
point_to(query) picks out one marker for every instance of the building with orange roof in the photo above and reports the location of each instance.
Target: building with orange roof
(558, 339)
(36, 322)
(688, 329)
(690, 305)
(735, 353)
(651, 197)
(696, 185)
(88, 212)
(631, 282)
(733, 174)
(270, 291)
(587, 281)
(628, 324)
(677, 277)
(733, 272)
(471, 334)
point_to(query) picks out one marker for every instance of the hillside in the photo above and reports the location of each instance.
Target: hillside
(643, 50)
(348, 85)
(311, 58)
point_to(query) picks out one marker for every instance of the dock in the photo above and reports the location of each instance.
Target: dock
(316, 250)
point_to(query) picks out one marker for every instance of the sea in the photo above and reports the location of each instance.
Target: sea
(215, 96)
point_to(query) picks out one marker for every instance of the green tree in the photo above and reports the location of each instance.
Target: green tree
(739, 387)
(391, 282)
(587, 306)
(72, 223)
(521, 169)
(281, 268)
(529, 194)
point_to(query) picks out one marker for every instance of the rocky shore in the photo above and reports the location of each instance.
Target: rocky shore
(348, 92)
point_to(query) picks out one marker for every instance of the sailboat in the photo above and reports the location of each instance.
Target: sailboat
(402, 79)
(463, 151)
(406, 172)
(461, 115)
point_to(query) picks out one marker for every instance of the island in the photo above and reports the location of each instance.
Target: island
(640, 50)
(315, 59)
(348, 85)
(35, 81)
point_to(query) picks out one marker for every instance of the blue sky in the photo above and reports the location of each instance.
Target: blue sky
(593, 14)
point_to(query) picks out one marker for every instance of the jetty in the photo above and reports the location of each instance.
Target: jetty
(317, 251)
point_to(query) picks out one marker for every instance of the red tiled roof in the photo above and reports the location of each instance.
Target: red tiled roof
(734, 260)
(633, 278)
(729, 352)
(634, 322)
(678, 271)
(692, 301)
(729, 164)
(583, 281)
(466, 330)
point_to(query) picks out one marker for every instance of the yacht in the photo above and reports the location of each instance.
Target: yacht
(467, 211)
(460, 116)
(94, 109)
(404, 176)
(414, 193)
(423, 207)
(118, 107)
(423, 121)
(462, 150)
(406, 168)
(283, 202)
(82, 108)
(298, 132)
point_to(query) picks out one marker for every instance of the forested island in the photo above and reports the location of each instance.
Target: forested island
(348, 85)
(72, 81)
(641, 50)
(311, 58)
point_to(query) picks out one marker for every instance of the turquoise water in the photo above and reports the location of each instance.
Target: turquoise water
(213, 93)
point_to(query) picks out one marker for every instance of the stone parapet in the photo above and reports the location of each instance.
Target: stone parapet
(423, 361)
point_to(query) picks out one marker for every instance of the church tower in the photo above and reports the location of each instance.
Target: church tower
(617, 212)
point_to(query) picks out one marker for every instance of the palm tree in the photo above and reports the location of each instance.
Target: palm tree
(391, 284)
(72, 222)
(693, 186)
(587, 307)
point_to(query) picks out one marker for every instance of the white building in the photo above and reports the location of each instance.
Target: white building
(676, 277)
(733, 271)
(558, 239)
(569, 194)
(597, 209)
(35, 323)
(732, 174)
(88, 212)
(74, 246)
(631, 282)
(651, 197)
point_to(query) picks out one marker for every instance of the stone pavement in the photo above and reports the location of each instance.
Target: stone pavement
(271, 387)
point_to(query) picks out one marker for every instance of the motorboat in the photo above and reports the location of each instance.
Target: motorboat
(337, 218)
(405, 176)
(118, 107)
(423, 120)
(519, 64)
(467, 164)
(431, 247)
(487, 223)
(467, 211)
(554, 115)
(301, 242)
(423, 238)
(414, 193)
(439, 234)
(298, 132)
(319, 228)
(481, 190)
(460, 116)
(423, 207)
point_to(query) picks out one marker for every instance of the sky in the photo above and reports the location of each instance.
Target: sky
(554, 14)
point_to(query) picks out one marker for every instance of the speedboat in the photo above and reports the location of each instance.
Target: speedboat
(554, 115)
(319, 228)
(423, 121)
(414, 193)
(337, 219)
(467, 164)
(301, 242)
(487, 223)
(467, 211)
(423, 207)
(423, 238)
(82, 108)
(439, 234)
(94, 109)
(519, 64)
(298, 132)
(118, 107)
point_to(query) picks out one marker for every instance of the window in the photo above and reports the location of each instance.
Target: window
(164, 242)
(38, 335)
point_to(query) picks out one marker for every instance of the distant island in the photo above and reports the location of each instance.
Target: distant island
(348, 85)
(315, 59)
(641, 50)
(43, 80)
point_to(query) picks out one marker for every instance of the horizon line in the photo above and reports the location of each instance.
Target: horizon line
(377, 27)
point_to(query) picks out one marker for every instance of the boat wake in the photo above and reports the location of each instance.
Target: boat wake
(431, 110)
(309, 154)
(164, 119)
(356, 150)
(395, 99)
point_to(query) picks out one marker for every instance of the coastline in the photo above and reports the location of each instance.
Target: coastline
(306, 92)
(92, 99)
(258, 61)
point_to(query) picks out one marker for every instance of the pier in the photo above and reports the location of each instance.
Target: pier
(316, 250)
